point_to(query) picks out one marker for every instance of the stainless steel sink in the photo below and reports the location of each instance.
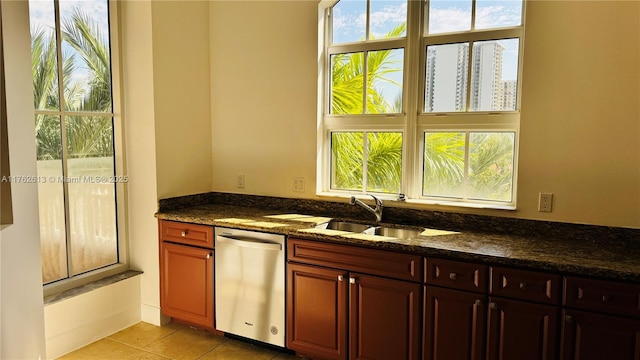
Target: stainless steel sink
(399, 233)
(346, 226)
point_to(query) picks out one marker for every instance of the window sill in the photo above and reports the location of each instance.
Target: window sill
(51, 299)
(393, 198)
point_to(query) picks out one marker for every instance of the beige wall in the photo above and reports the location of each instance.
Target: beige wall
(21, 314)
(580, 137)
(263, 99)
(180, 42)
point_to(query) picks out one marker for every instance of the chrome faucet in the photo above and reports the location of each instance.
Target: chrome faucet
(377, 211)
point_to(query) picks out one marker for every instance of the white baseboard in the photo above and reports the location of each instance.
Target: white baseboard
(152, 315)
(80, 320)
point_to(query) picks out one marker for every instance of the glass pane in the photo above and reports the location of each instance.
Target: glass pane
(443, 164)
(347, 161)
(494, 14)
(388, 19)
(87, 73)
(449, 16)
(44, 55)
(384, 79)
(347, 83)
(446, 77)
(494, 75)
(349, 21)
(491, 166)
(92, 202)
(384, 162)
(53, 240)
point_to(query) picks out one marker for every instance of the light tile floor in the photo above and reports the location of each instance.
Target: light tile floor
(144, 341)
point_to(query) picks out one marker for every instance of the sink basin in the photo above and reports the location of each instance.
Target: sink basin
(346, 226)
(399, 233)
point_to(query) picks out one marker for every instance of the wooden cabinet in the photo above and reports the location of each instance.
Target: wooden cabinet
(186, 273)
(521, 330)
(601, 320)
(523, 313)
(454, 324)
(336, 312)
(317, 311)
(455, 310)
(517, 320)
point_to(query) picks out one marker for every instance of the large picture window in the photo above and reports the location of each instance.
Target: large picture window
(421, 98)
(79, 174)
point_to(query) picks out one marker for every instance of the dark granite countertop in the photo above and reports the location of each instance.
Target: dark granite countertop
(568, 249)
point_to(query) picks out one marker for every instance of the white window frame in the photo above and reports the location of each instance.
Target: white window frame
(413, 122)
(122, 265)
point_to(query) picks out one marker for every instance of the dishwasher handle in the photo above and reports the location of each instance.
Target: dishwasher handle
(248, 243)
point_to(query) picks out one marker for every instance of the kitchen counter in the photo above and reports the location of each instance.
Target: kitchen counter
(584, 250)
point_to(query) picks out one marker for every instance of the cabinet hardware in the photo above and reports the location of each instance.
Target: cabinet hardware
(340, 277)
(478, 302)
(352, 280)
(606, 298)
(184, 233)
(209, 256)
(523, 285)
(493, 305)
(568, 318)
(453, 276)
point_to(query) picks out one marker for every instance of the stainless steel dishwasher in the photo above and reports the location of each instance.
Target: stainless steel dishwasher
(249, 284)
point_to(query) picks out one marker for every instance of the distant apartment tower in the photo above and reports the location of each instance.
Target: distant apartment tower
(446, 78)
(509, 94)
(486, 76)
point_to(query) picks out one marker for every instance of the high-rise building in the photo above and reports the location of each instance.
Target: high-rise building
(446, 78)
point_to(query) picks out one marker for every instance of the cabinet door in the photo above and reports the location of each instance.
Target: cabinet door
(521, 330)
(454, 325)
(317, 311)
(186, 284)
(384, 318)
(587, 336)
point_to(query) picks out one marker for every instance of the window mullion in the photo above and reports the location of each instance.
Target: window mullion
(414, 79)
(63, 136)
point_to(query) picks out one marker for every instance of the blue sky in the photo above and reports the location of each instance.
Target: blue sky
(41, 16)
(349, 19)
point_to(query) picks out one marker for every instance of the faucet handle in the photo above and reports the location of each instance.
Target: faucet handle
(378, 201)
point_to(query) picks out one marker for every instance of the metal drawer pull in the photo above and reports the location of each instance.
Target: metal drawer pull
(184, 233)
(352, 280)
(478, 302)
(340, 277)
(209, 256)
(568, 318)
(493, 305)
(523, 285)
(453, 276)
(606, 298)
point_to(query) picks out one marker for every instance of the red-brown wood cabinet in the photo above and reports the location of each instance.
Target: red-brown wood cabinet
(342, 306)
(601, 320)
(186, 273)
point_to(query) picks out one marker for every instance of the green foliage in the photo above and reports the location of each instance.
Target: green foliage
(86, 136)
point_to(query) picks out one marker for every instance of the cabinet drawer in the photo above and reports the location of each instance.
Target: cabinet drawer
(525, 285)
(604, 296)
(456, 274)
(353, 258)
(184, 233)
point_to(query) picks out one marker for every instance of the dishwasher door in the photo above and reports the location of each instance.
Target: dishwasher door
(249, 284)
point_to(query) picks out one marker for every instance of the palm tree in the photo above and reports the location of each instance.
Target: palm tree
(86, 136)
(384, 150)
(348, 79)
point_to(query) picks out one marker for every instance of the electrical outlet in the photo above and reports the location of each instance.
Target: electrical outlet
(298, 184)
(240, 181)
(545, 201)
